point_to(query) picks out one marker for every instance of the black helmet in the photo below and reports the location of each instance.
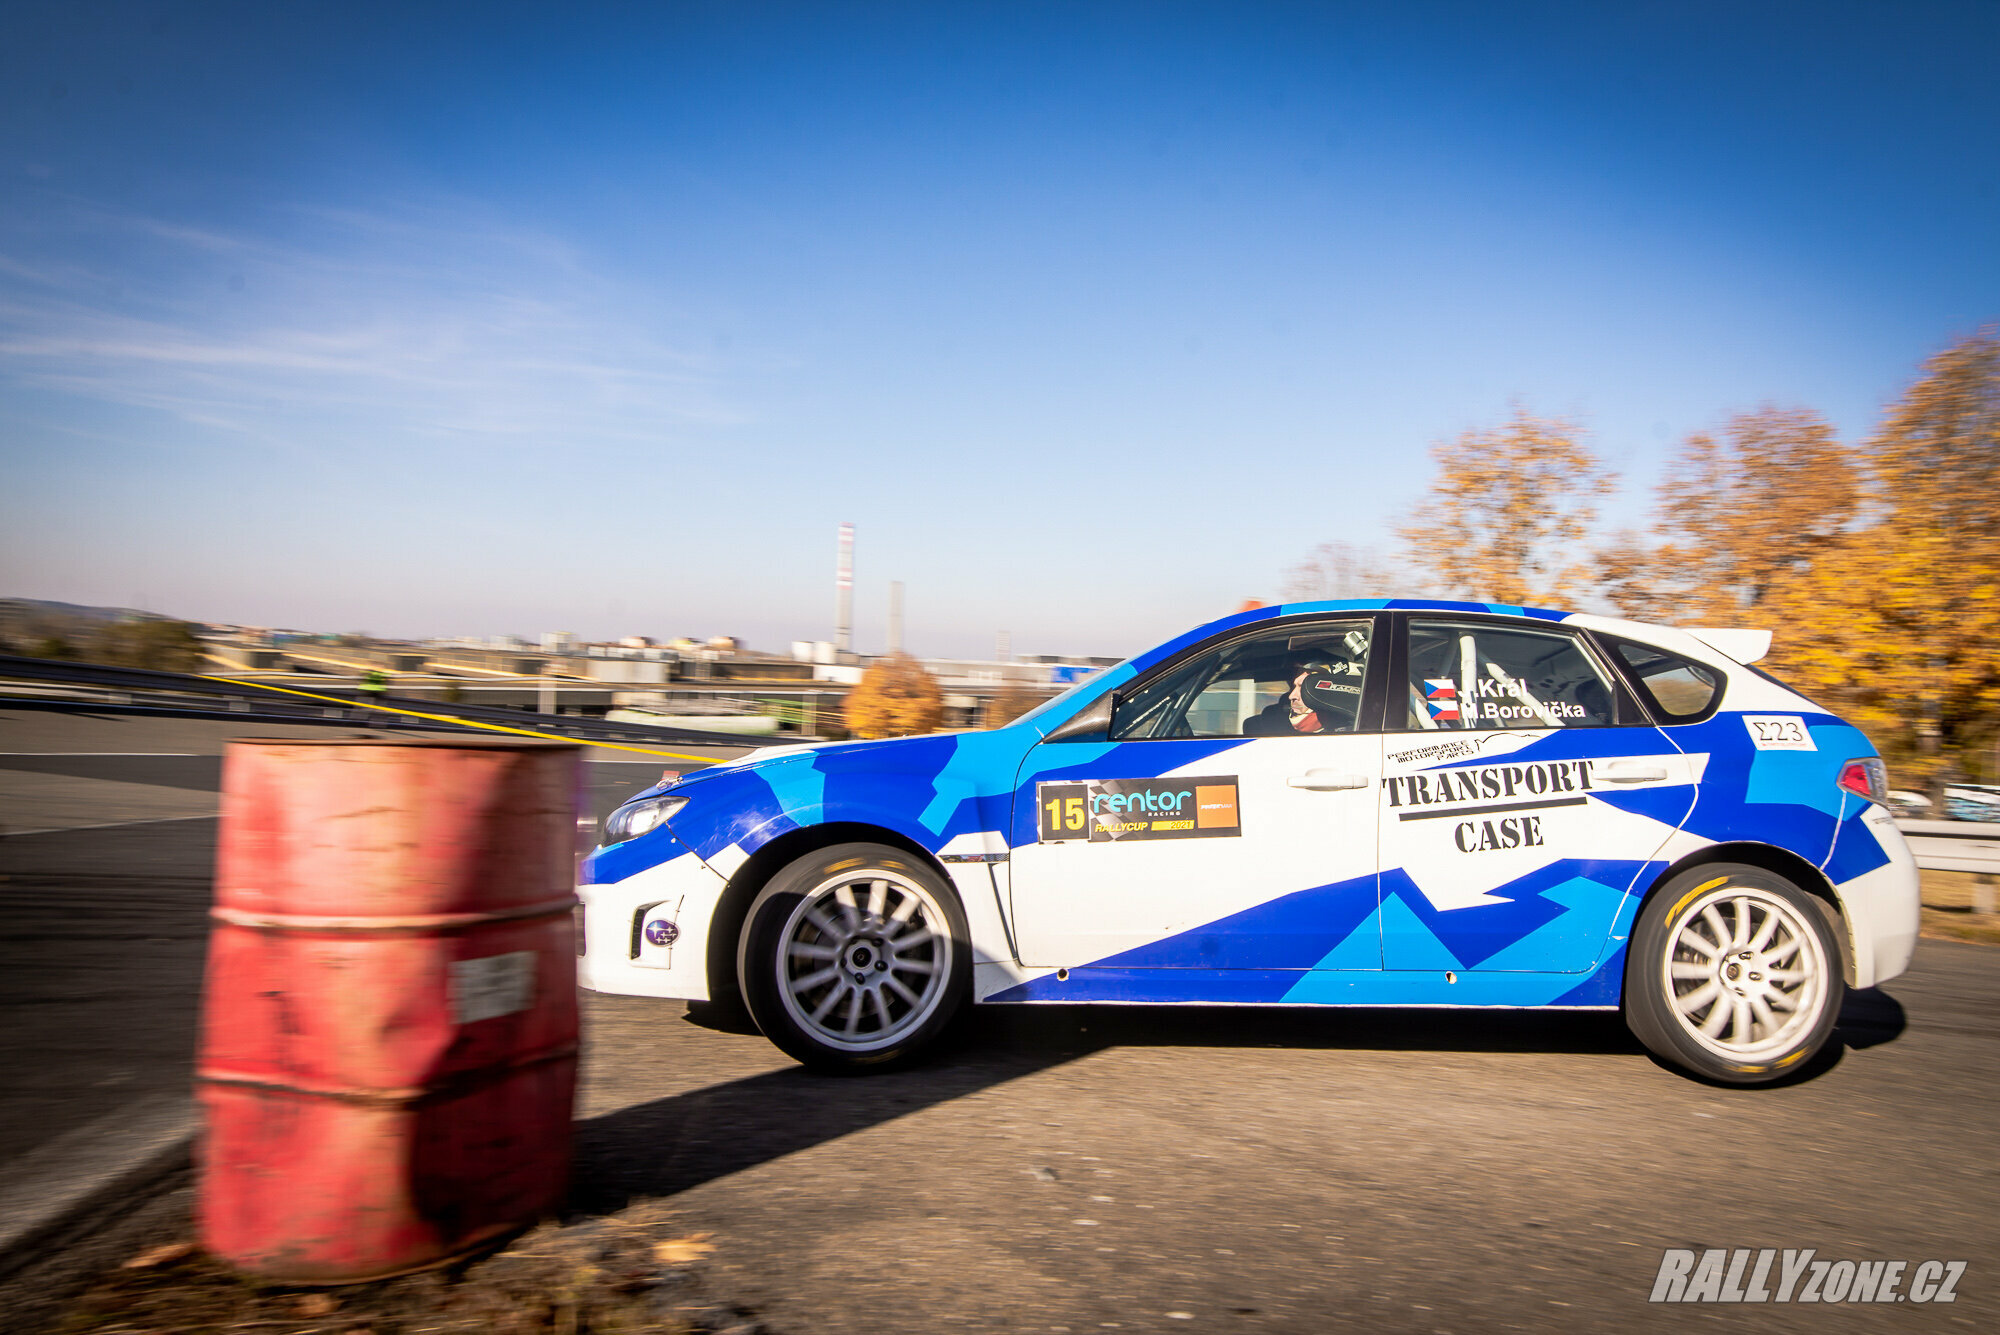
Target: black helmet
(1331, 688)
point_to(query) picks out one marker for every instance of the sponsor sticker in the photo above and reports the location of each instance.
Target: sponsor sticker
(1100, 811)
(1778, 732)
(1462, 748)
(1798, 1275)
(1501, 793)
(485, 989)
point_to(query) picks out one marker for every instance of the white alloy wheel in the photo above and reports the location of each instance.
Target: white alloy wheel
(866, 959)
(1734, 973)
(1745, 974)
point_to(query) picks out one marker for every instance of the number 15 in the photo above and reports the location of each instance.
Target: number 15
(1065, 813)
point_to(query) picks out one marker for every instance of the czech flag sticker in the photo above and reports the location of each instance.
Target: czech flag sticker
(1441, 698)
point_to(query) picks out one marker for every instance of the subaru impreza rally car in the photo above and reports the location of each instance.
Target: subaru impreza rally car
(1378, 803)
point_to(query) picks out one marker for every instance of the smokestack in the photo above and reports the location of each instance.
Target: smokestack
(843, 592)
(1003, 645)
(895, 616)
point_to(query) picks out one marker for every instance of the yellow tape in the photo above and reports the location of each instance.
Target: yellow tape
(462, 722)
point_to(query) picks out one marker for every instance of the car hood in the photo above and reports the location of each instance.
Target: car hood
(766, 756)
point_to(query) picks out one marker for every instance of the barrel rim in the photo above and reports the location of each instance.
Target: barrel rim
(417, 743)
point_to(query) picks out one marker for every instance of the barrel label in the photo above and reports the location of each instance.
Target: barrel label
(497, 985)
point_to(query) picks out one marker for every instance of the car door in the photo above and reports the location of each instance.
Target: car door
(1523, 791)
(1227, 820)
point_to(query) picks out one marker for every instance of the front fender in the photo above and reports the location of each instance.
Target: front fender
(928, 790)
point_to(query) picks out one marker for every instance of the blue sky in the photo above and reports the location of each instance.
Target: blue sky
(1093, 318)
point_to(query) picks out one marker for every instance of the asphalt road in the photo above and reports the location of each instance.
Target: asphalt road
(1084, 1169)
(1100, 1168)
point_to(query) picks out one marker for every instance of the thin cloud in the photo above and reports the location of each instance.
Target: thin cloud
(432, 326)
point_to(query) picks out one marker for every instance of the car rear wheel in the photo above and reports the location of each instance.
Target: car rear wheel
(1734, 974)
(855, 958)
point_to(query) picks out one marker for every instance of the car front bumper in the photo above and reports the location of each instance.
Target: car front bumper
(620, 956)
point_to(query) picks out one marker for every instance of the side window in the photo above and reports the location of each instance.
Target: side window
(1678, 689)
(1474, 675)
(1291, 681)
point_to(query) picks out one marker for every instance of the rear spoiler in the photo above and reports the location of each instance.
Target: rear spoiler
(1745, 646)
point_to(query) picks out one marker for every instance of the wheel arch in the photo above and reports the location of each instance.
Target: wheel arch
(725, 930)
(1781, 862)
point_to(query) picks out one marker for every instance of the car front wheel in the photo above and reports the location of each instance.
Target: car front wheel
(1734, 974)
(855, 958)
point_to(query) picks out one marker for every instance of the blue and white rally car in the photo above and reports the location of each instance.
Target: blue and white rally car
(1368, 803)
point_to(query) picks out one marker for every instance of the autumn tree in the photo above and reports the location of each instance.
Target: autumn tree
(1878, 575)
(1932, 599)
(1509, 512)
(894, 698)
(1338, 570)
(1012, 700)
(1740, 513)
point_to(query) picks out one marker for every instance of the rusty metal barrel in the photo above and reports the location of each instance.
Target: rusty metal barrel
(389, 1032)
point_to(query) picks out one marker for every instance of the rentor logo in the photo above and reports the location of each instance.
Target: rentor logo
(1109, 810)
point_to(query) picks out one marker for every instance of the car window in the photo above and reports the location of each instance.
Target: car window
(1290, 681)
(1678, 689)
(1479, 675)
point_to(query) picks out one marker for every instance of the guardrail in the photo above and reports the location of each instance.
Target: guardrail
(1954, 845)
(184, 693)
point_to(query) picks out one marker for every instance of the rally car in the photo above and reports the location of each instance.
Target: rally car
(1357, 803)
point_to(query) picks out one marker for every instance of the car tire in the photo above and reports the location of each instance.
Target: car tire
(1733, 973)
(855, 958)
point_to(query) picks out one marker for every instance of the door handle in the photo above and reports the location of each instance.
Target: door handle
(1326, 780)
(1624, 771)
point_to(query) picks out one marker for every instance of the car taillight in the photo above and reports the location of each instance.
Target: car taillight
(1867, 778)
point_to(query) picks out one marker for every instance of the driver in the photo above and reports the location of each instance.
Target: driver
(1325, 697)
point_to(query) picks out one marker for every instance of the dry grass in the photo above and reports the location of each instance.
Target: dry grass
(1948, 909)
(617, 1275)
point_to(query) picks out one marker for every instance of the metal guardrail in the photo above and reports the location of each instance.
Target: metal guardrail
(180, 692)
(1954, 845)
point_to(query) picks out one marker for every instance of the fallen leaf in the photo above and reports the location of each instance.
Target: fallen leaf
(684, 1251)
(160, 1255)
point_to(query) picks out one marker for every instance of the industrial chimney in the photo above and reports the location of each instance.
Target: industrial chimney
(843, 592)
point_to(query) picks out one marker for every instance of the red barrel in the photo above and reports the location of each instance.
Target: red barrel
(389, 1035)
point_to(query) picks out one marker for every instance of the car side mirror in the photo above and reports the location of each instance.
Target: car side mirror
(1092, 723)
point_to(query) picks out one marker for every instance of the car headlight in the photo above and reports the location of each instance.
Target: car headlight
(637, 818)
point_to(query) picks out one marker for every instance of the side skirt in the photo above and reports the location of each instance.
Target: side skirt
(1595, 990)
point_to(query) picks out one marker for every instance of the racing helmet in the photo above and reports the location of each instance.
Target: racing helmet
(1329, 686)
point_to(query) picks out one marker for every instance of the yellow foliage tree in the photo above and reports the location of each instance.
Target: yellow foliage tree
(1933, 569)
(894, 698)
(1508, 513)
(1012, 700)
(1775, 494)
(1879, 579)
(1337, 570)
